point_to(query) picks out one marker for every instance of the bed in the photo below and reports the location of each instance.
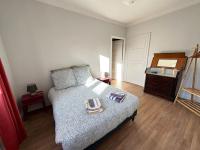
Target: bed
(75, 129)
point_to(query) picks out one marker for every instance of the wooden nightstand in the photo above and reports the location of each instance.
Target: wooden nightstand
(28, 100)
(105, 80)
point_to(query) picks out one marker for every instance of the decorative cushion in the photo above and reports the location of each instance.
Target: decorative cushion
(82, 74)
(63, 78)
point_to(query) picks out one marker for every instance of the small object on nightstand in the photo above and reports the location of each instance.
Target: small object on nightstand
(106, 74)
(105, 80)
(30, 99)
(32, 88)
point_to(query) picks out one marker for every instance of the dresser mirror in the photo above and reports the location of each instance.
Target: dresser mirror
(170, 63)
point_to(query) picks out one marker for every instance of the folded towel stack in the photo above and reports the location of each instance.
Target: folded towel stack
(94, 105)
(118, 97)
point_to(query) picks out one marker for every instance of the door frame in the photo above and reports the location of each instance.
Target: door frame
(123, 51)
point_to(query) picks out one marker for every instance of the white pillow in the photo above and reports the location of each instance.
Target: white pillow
(82, 74)
(63, 78)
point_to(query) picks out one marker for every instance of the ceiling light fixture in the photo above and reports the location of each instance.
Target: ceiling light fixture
(129, 2)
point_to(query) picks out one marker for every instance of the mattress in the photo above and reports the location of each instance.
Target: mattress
(75, 129)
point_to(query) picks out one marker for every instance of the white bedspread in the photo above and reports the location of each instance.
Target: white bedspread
(76, 129)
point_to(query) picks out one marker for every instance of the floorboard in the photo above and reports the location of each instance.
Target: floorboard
(159, 125)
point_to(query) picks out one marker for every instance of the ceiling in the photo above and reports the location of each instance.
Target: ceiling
(117, 12)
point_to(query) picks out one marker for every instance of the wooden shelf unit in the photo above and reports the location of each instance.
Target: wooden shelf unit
(191, 104)
(192, 91)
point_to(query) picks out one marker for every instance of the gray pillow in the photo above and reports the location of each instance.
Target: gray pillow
(63, 78)
(82, 74)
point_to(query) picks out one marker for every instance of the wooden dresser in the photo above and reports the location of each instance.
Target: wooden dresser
(164, 75)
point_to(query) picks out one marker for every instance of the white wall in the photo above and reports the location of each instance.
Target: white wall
(178, 31)
(40, 37)
(6, 65)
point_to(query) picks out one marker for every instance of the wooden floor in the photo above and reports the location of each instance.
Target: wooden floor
(159, 125)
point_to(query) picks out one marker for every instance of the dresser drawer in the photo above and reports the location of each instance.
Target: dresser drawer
(161, 86)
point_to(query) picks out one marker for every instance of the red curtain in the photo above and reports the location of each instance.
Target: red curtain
(11, 127)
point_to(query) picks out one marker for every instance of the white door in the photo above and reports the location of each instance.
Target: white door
(136, 58)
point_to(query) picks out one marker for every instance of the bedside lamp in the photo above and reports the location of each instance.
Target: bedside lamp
(31, 88)
(104, 74)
